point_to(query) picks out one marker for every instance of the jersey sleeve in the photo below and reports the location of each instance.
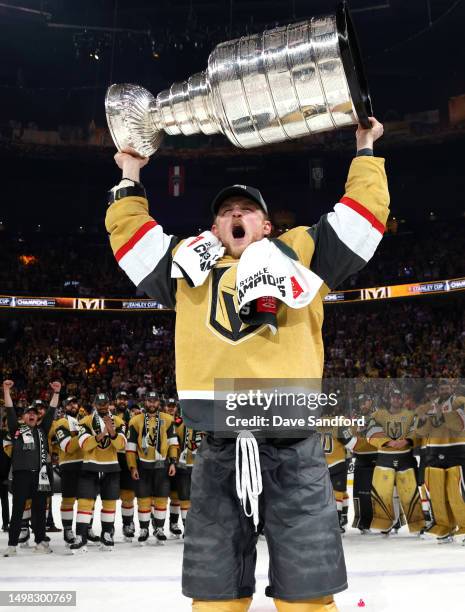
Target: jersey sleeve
(8, 445)
(131, 445)
(63, 438)
(376, 436)
(86, 440)
(142, 249)
(346, 238)
(120, 441)
(346, 438)
(173, 441)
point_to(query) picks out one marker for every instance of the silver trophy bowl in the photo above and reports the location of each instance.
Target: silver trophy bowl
(285, 83)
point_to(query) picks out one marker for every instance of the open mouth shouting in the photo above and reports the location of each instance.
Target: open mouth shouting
(238, 231)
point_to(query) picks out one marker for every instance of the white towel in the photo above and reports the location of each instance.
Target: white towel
(195, 258)
(264, 272)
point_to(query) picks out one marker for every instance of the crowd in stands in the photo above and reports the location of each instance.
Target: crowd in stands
(411, 338)
(77, 265)
(396, 339)
(83, 264)
(91, 356)
(433, 252)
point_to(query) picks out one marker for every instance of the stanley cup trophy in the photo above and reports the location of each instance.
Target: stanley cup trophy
(286, 83)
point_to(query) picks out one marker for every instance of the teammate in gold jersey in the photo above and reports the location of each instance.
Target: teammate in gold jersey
(392, 432)
(441, 427)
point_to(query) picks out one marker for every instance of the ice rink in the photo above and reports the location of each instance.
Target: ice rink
(395, 574)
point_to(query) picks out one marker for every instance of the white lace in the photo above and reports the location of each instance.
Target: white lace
(248, 474)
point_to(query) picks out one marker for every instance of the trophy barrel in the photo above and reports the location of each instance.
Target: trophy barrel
(289, 82)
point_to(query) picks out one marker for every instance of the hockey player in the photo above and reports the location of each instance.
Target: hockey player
(51, 461)
(213, 341)
(171, 408)
(441, 426)
(70, 463)
(392, 432)
(425, 502)
(188, 443)
(151, 443)
(101, 435)
(24, 534)
(5, 464)
(29, 464)
(126, 493)
(365, 456)
(336, 442)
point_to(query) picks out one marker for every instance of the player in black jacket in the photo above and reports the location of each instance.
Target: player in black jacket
(29, 463)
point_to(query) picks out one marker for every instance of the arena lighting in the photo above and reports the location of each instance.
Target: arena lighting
(28, 260)
(28, 11)
(373, 7)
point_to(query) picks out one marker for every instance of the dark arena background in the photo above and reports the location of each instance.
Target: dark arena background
(69, 313)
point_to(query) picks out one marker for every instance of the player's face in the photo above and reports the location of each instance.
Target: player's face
(72, 409)
(444, 391)
(121, 405)
(103, 409)
(152, 405)
(240, 222)
(171, 409)
(31, 418)
(396, 403)
(366, 406)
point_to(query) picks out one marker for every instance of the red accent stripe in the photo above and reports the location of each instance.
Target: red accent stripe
(84, 512)
(159, 509)
(144, 511)
(121, 252)
(128, 451)
(364, 212)
(108, 511)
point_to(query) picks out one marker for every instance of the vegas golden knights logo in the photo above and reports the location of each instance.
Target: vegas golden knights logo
(376, 293)
(152, 437)
(223, 308)
(104, 442)
(394, 429)
(88, 304)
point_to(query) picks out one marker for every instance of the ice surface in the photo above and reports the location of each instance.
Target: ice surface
(397, 574)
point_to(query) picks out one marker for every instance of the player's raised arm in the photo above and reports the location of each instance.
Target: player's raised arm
(139, 244)
(346, 238)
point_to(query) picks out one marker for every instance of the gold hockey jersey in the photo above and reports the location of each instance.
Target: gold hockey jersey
(66, 433)
(363, 447)
(336, 442)
(212, 342)
(100, 456)
(157, 443)
(385, 426)
(189, 441)
(441, 426)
